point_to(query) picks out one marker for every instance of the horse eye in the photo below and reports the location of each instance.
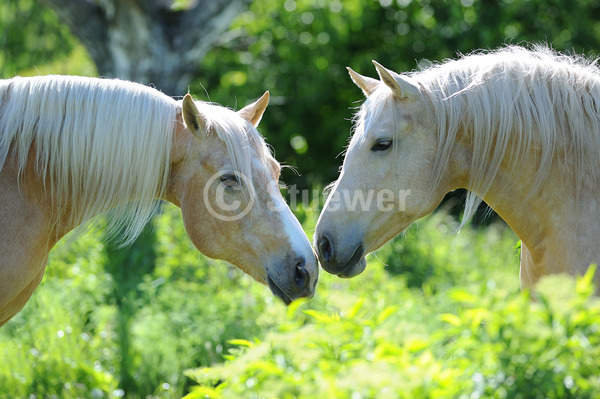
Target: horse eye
(382, 145)
(230, 180)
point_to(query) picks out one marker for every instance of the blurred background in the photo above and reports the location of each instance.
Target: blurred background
(298, 50)
(112, 323)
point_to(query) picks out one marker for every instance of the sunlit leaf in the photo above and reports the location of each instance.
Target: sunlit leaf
(319, 316)
(451, 319)
(240, 342)
(462, 296)
(355, 308)
(387, 312)
(200, 392)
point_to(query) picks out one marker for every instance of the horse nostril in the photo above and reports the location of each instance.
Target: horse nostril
(324, 248)
(301, 276)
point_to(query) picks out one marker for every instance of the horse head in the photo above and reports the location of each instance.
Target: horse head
(226, 182)
(384, 183)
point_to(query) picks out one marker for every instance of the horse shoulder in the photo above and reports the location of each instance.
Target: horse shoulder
(24, 239)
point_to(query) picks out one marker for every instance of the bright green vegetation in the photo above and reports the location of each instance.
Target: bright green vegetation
(435, 315)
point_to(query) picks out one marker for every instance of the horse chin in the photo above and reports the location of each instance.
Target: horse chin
(278, 292)
(344, 266)
(353, 268)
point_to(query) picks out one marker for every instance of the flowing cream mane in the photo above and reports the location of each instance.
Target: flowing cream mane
(105, 145)
(525, 106)
(99, 144)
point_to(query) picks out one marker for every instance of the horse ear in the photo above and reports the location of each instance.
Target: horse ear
(401, 86)
(192, 117)
(254, 112)
(366, 84)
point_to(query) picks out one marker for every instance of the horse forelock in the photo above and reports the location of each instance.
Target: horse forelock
(98, 144)
(379, 104)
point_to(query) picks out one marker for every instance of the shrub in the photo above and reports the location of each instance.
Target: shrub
(493, 343)
(515, 348)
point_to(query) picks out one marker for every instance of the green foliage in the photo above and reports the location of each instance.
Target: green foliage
(33, 42)
(59, 344)
(434, 315)
(299, 49)
(467, 331)
(333, 355)
(422, 264)
(513, 348)
(494, 343)
(67, 340)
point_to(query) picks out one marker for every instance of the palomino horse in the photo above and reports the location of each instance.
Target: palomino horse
(518, 128)
(72, 148)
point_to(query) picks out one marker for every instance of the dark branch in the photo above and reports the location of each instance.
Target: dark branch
(151, 7)
(205, 18)
(203, 11)
(85, 20)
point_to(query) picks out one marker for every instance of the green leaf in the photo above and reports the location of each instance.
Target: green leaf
(387, 312)
(202, 392)
(240, 342)
(585, 284)
(319, 316)
(417, 344)
(451, 319)
(462, 296)
(355, 308)
(293, 307)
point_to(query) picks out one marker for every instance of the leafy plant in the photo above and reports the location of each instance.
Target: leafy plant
(494, 344)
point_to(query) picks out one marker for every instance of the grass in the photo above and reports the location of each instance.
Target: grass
(435, 314)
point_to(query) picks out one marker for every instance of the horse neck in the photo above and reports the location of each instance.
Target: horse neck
(22, 190)
(507, 191)
(554, 223)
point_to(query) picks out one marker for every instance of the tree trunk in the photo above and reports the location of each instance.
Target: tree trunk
(147, 41)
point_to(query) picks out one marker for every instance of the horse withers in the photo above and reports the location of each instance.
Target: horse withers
(518, 127)
(72, 148)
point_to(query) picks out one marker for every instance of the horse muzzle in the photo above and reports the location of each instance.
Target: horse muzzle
(345, 263)
(299, 281)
